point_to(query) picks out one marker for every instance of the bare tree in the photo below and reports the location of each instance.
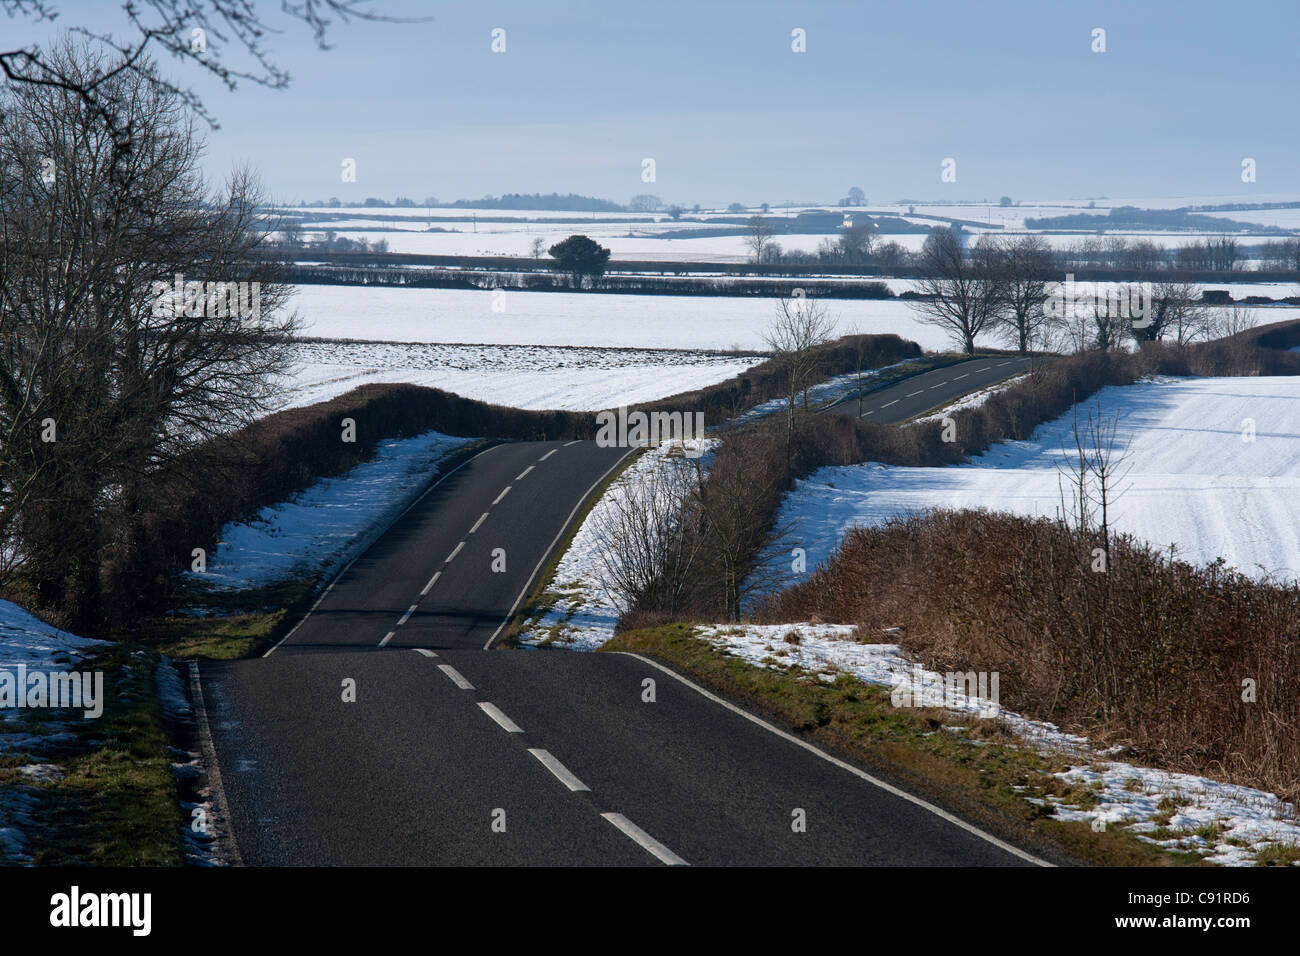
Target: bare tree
(758, 237)
(801, 327)
(961, 291)
(1175, 311)
(137, 317)
(221, 37)
(643, 528)
(1025, 264)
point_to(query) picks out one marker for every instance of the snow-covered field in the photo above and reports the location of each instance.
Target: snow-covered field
(1128, 795)
(328, 523)
(517, 375)
(1193, 480)
(466, 316)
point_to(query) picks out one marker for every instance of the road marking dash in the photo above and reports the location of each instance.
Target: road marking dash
(407, 616)
(561, 772)
(574, 442)
(960, 377)
(917, 392)
(456, 677)
(493, 711)
(425, 651)
(455, 551)
(645, 840)
(940, 385)
(887, 404)
(1004, 363)
(548, 454)
(505, 491)
(481, 519)
(524, 472)
(432, 581)
(388, 637)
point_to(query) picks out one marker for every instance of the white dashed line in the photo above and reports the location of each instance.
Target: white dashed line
(456, 677)
(481, 519)
(455, 551)
(505, 491)
(524, 472)
(407, 616)
(574, 442)
(917, 392)
(865, 414)
(887, 404)
(645, 840)
(1004, 363)
(960, 377)
(387, 637)
(506, 724)
(940, 385)
(561, 772)
(432, 581)
(425, 651)
(548, 454)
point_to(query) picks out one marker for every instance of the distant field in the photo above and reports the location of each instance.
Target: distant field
(536, 377)
(575, 319)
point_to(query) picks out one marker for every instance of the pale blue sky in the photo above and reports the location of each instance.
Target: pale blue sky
(713, 92)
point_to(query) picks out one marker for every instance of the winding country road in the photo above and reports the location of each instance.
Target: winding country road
(920, 393)
(457, 754)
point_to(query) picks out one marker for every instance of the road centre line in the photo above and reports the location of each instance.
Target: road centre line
(388, 637)
(493, 711)
(432, 581)
(481, 519)
(645, 840)
(960, 377)
(505, 491)
(454, 552)
(548, 454)
(887, 404)
(574, 442)
(941, 384)
(524, 472)
(561, 772)
(425, 651)
(455, 677)
(917, 392)
(407, 616)
(551, 547)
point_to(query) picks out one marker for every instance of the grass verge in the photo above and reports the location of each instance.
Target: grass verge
(978, 774)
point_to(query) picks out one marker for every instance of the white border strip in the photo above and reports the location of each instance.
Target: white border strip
(888, 788)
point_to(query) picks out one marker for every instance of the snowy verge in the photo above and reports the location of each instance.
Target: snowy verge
(324, 526)
(583, 614)
(1226, 823)
(26, 640)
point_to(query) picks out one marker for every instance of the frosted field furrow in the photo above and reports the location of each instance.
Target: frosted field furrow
(1193, 481)
(519, 376)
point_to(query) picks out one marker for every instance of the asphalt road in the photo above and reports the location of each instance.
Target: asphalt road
(452, 754)
(920, 393)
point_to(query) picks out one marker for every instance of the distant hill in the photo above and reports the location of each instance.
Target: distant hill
(1131, 217)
